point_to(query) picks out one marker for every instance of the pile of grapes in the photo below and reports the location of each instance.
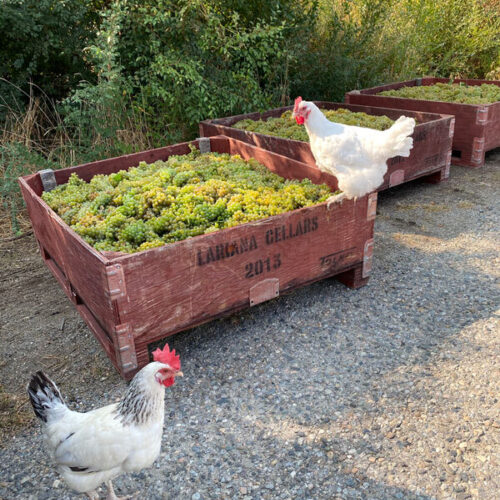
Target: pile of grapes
(166, 201)
(448, 92)
(286, 126)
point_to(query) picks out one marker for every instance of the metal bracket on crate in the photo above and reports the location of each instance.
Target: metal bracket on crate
(116, 281)
(446, 173)
(204, 144)
(48, 179)
(418, 82)
(264, 290)
(367, 259)
(482, 115)
(125, 348)
(371, 211)
(477, 150)
(448, 160)
(397, 177)
(452, 127)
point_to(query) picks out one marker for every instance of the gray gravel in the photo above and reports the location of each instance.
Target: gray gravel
(390, 391)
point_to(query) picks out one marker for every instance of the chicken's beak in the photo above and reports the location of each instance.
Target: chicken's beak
(178, 374)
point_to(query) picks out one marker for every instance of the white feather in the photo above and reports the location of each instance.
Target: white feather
(104, 443)
(357, 156)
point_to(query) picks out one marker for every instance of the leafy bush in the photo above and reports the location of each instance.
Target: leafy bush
(361, 43)
(180, 61)
(43, 42)
(444, 38)
(101, 116)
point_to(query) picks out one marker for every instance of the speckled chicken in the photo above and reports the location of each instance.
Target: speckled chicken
(356, 156)
(94, 447)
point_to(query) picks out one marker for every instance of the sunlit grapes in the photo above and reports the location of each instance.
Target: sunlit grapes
(448, 92)
(167, 201)
(285, 126)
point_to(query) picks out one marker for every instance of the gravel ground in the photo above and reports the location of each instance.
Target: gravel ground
(390, 391)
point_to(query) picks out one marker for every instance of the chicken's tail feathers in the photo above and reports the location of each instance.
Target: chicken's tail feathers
(45, 397)
(399, 141)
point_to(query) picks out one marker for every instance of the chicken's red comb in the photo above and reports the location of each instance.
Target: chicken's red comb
(297, 102)
(168, 357)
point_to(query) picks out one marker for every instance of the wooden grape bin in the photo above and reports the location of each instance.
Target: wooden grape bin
(477, 126)
(131, 300)
(429, 157)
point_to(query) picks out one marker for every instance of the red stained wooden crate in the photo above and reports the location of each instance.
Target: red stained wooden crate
(429, 158)
(477, 126)
(131, 300)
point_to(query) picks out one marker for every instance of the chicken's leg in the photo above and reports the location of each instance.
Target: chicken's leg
(112, 495)
(336, 198)
(93, 495)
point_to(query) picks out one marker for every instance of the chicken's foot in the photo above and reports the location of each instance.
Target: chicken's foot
(336, 198)
(112, 495)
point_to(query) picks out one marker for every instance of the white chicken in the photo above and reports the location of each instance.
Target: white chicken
(94, 447)
(356, 156)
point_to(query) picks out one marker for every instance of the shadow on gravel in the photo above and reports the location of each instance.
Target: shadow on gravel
(342, 388)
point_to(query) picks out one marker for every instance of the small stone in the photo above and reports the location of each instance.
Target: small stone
(243, 490)
(372, 459)
(269, 486)
(196, 496)
(56, 483)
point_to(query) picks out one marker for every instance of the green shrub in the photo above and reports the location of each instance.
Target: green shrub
(176, 62)
(42, 43)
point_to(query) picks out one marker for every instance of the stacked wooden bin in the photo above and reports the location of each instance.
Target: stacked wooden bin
(132, 300)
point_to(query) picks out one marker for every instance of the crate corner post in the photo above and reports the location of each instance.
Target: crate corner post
(122, 332)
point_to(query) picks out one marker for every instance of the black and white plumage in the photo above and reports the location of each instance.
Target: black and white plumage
(94, 447)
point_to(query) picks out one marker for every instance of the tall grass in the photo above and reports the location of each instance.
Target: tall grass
(45, 135)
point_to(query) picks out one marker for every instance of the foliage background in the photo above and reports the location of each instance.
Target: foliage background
(88, 79)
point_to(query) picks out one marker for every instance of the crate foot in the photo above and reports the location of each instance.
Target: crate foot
(467, 158)
(353, 278)
(466, 163)
(437, 177)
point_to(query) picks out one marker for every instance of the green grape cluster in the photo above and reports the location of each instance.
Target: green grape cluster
(449, 92)
(153, 204)
(285, 126)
